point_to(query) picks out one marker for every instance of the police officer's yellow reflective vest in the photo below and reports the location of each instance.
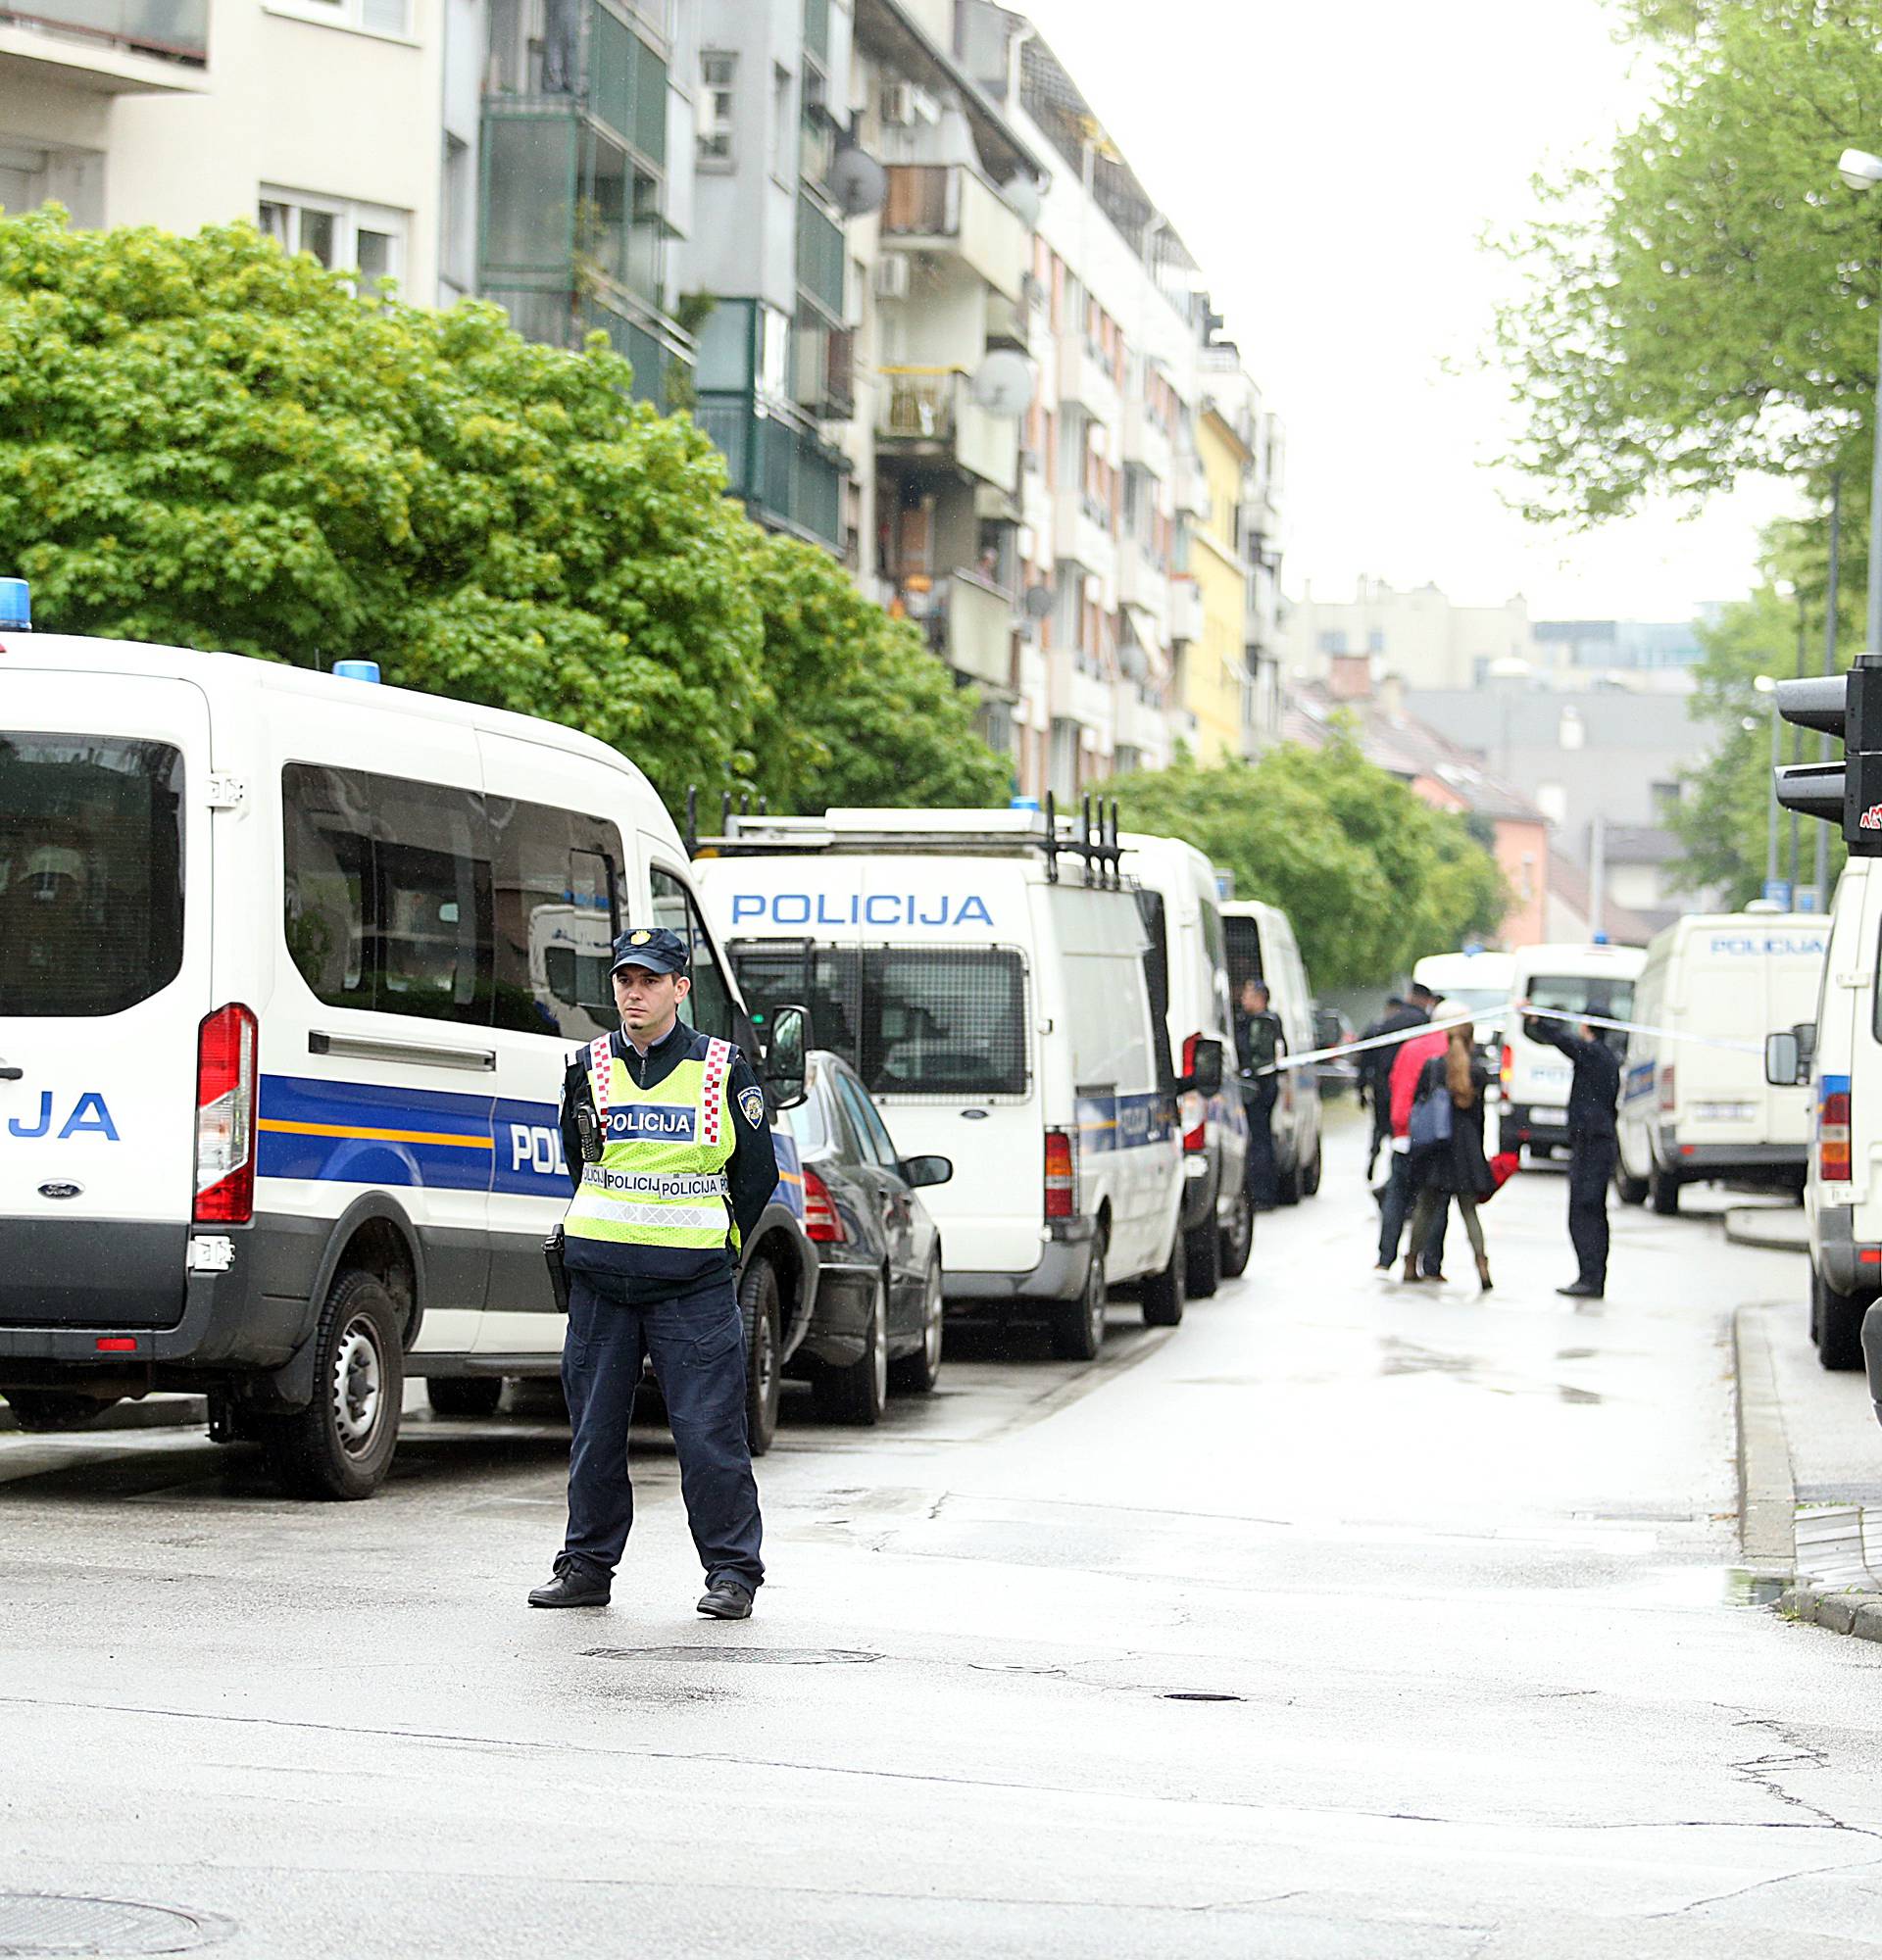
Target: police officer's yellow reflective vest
(658, 1197)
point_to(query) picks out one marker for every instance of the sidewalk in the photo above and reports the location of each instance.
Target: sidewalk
(159, 1411)
(1779, 1228)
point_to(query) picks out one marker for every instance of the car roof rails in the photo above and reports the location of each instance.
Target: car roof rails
(1089, 838)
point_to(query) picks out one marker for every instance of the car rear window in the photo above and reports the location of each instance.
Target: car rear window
(910, 1020)
(91, 872)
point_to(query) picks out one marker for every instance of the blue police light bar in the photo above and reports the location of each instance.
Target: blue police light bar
(366, 671)
(16, 605)
(1024, 803)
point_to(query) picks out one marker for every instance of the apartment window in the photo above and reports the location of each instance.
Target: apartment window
(372, 17)
(1666, 797)
(783, 131)
(364, 239)
(76, 179)
(1333, 643)
(1376, 641)
(718, 86)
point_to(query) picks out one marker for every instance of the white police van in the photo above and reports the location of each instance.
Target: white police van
(290, 967)
(1695, 1105)
(985, 971)
(1189, 967)
(1595, 978)
(1261, 947)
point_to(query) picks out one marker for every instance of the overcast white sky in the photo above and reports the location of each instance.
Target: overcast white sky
(1332, 163)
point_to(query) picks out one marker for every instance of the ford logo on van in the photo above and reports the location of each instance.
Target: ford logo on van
(61, 1186)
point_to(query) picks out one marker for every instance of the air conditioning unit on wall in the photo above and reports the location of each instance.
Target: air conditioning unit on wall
(892, 276)
(898, 103)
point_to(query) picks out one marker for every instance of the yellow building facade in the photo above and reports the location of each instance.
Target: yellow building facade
(1214, 684)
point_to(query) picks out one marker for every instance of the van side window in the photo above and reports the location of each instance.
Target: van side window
(387, 892)
(558, 875)
(709, 1007)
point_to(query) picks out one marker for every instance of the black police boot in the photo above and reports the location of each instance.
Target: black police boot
(725, 1598)
(572, 1586)
(1581, 1289)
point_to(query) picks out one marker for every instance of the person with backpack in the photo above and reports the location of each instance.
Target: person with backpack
(1447, 1158)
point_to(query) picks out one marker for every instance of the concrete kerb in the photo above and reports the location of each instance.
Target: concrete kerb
(158, 1411)
(1776, 1228)
(1767, 1494)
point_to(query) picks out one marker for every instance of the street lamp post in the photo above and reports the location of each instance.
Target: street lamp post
(1767, 687)
(1863, 172)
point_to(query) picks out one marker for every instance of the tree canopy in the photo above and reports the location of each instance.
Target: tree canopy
(1371, 878)
(206, 442)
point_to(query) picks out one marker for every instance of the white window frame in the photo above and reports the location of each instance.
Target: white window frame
(712, 129)
(346, 15)
(350, 218)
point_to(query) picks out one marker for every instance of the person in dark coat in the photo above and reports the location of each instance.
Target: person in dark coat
(1456, 1167)
(1375, 1066)
(1258, 1046)
(1593, 1146)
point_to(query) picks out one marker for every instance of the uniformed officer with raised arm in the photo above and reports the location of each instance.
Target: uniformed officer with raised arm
(666, 1135)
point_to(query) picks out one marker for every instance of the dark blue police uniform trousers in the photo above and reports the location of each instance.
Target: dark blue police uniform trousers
(697, 1342)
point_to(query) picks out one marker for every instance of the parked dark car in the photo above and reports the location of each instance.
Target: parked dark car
(877, 1319)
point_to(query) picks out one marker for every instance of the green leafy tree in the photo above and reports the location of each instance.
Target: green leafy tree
(1371, 877)
(854, 710)
(1703, 304)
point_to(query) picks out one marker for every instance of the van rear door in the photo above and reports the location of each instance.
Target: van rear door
(104, 982)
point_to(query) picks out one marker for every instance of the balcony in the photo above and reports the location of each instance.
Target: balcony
(1082, 532)
(1009, 322)
(1141, 726)
(820, 257)
(109, 47)
(774, 461)
(1084, 378)
(1192, 488)
(970, 626)
(928, 412)
(1141, 582)
(1185, 610)
(949, 211)
(1147, 442)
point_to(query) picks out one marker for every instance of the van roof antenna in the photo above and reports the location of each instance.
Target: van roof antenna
(1052, 839)
(692, 820)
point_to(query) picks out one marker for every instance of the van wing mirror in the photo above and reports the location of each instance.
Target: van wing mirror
(787, 1044)
(1783, 1059)
(1206, 1067)
(919, 1171)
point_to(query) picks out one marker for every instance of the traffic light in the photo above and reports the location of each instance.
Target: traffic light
(1847, 793)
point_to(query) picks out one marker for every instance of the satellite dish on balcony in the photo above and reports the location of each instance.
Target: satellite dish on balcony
(857, 182)
(1003, 384)
(1023, 198)
(1037, 601)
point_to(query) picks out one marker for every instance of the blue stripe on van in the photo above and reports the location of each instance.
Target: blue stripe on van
(1124, 1122)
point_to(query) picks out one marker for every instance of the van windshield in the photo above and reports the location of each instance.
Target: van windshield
(91, 872)
(910, 1021)
(1585, 994)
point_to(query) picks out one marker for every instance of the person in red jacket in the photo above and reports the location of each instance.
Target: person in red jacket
(1394, 1207)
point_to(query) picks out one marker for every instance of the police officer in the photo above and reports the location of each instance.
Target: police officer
(1593, 1145)
(666, 1135)
(1258, 1046)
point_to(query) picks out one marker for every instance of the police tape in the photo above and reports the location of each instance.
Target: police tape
(1495, 1009)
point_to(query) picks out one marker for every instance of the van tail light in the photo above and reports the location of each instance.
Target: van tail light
(1062, 1176)
(821, 1225)
(1504, 1068)
(1667, 1089)
(1195, 1107)
(225, 1083)
(1833, 1137)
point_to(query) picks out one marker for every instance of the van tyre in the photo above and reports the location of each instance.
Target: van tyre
(920, 1371)
(47, 1411)
(759, 1302)
(1291, 1184)
(1310, 1184)
(340, 1445)
(1203, 1259)
(1238, 1236)
(859, 1392)
(470, 1398)
(1629, 1190)
(1078, 1325)
(1167, 1292)
(1663, 1192)
(1836, 1325)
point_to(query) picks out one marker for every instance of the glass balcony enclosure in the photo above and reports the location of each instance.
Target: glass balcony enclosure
(175, 29)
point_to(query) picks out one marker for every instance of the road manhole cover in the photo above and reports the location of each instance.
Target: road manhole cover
(43, 1923)
(750, 1656)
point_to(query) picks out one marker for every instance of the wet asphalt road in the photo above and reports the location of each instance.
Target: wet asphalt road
(1461, 1565)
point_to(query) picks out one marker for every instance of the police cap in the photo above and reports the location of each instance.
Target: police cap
(651, 947)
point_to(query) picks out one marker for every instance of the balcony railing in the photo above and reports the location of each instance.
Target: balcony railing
(820, 257)
(175, 29)
(789, 481)
(976, 629)
(930, 409)
(948, 209)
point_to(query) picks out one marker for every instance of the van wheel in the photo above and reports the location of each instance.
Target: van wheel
(1288, 1189)
(1311, 1185)
(341, 1445)
(1165, 1295)
(1238, 1237)
(859, 1392)
(1663, 1192)
(45, 1411)
(471, 1397)
(1836, 1325)
(1631, 1189)
(922, 1370)
(1203, 1259)
(758, 1300)
(1078, 1325)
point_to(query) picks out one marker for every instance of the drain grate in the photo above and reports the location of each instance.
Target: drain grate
(750, 1656)
(1198, 1694)
(47, 1923)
